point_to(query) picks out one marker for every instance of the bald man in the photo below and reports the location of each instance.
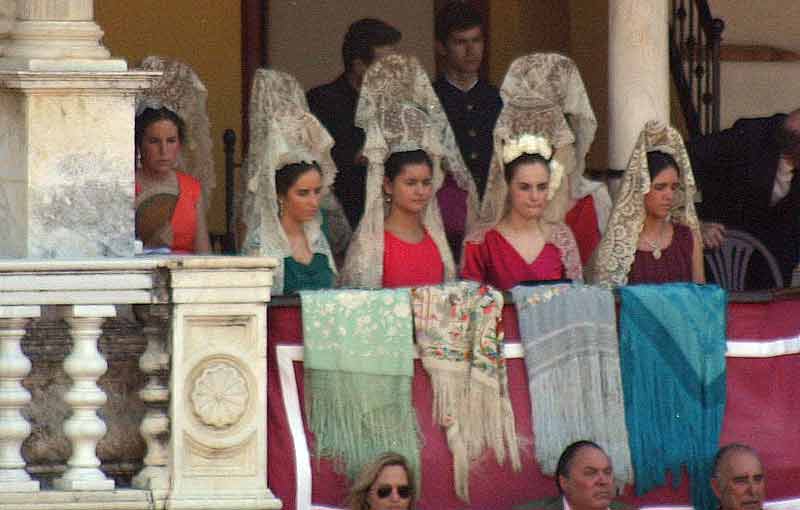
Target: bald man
(747, 178)
(585, 481)
(738, 478)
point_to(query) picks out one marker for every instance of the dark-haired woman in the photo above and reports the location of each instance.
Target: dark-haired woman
(666, 251)
(400, 241)
(170, 212)
(522, 246)
(298, 188)
(653, 234)
(410, 257)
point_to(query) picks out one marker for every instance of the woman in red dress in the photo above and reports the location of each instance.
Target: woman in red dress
(169, 203)
(522, 246)
(410, 257)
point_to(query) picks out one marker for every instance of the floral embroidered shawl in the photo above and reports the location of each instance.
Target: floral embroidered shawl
(359, 361)
(460, 338)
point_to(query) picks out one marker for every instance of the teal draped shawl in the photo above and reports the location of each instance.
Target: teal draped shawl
(672, 354)
(359, 362)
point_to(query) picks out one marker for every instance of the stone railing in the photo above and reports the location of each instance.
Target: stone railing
(195, 326)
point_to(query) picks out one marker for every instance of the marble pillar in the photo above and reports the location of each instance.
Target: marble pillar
(7, 16)
(57, 35)
(638, 73)
(66, 163)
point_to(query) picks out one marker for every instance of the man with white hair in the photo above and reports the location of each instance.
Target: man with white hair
(738, 478)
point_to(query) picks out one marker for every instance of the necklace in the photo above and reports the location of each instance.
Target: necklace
(656, 245)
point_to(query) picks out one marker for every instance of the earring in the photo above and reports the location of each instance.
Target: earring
(388, 199)
(280, 208)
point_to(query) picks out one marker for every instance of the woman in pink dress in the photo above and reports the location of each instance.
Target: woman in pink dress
(522, 246)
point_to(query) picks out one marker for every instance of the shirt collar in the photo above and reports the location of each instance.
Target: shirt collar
(472, 86)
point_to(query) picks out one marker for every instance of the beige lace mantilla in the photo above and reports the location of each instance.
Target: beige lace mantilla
(182, 91)
(282, 131)
(544, 94)
(399, 111)
(617, 250)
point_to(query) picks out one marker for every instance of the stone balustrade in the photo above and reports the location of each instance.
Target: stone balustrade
(198, 397)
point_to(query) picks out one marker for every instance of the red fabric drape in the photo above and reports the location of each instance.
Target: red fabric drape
(761, 411)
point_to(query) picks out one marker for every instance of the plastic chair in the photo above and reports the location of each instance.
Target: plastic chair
(729, 263)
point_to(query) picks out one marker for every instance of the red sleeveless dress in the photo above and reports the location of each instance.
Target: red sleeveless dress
(184, 218)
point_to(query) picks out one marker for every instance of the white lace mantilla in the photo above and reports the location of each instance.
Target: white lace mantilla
(543, 94)
(282, 131)
(181, 90)
(617, 249)
(399, 111)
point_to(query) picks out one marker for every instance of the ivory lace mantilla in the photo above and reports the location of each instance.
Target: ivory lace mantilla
(399, 111)
(617, 249)
(181, 90)
(282, 131)
(543, 94)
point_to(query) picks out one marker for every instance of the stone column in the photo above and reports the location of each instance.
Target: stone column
(84, 428)
(57, 36)
(7, 17)
(638, 73)
(14, 428)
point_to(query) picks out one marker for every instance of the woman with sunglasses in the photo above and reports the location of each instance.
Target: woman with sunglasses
(386, 483)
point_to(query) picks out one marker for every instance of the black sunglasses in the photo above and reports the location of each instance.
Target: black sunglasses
(384, 491)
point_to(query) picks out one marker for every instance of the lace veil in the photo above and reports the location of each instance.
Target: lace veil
(181, 90)
(399, 111)
(544, 94)
(282, 131)
(617, 249)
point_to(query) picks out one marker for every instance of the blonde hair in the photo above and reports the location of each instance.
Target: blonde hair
(357, 498)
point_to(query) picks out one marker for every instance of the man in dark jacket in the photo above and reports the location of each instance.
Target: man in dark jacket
(747, 178)
(585, 481)
(472, 105)
(334, 104)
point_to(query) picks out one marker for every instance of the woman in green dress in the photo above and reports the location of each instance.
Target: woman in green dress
(299, 190)
(289, 174)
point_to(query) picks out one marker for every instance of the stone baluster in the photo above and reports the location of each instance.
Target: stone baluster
(84, 428)
(14, 366)
(155, 394)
